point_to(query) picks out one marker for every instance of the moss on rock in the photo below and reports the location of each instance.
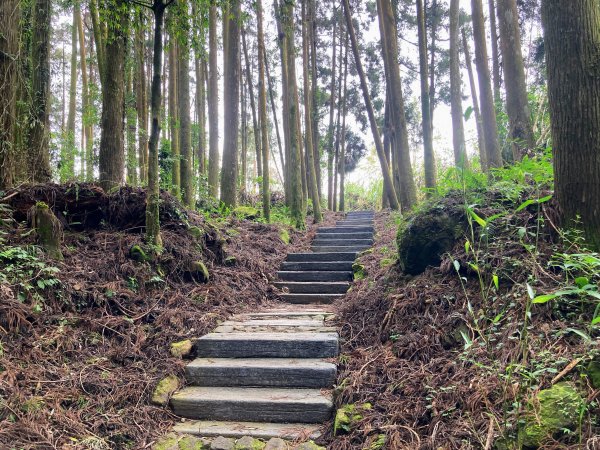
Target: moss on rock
(169, 442)
(164, 390)
(284, 235)
(549, 413)
(137, 253)
(347, 416)
(193, 443)
(182, 348)
(359, 271)
(246, 212)
(310, 445)
(428, 235)
(593, 373)
(198, 271)
(196, 232)
(249, 443)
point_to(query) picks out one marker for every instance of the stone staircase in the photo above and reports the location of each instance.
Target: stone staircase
(266, 375)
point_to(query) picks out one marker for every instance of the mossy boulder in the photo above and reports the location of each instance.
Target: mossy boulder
(196, 232)
(48, 229)
(198, 271)
(246, 212)
(359, 271)
(249, 443)
(193, 443)
(164, 390)
(348, 416)
(169, 442)
(549, 413)
(284, 235)
(428, 235)
(137, 253)
(182, 348)
(593, 373)
(230, 261)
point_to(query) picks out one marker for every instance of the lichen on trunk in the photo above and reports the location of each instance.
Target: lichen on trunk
(48, 229)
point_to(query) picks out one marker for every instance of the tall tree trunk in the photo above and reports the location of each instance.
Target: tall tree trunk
(153, 199)
(10, 16)
(141, 95)
(274, 111)
(572, 40)
(262, 107)
(342, 159)
(67, 157)
(338, 123)
(475, 98)
(308, 110)
(183, 104)
(429, 158)
(131, 118)
(315, 93)
(213, 102)
(497, 81)
(295, 151)
(385, 169)
(458, 130)
(174, 115)
(99, 38)
(86, 122)
(431, 48)
(201, 112)
(231, 98)
(331, 115)
(488, 111)
(244, 133)
(255, 127)
(112, 154)
(397, 119)
(517, 107)
(39, 155)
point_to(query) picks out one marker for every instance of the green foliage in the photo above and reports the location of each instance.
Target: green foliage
(25, 273)
(361, 197)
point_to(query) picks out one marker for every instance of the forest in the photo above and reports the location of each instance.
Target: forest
(160, 158)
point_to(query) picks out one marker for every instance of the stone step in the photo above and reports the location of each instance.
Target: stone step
(314, 276)
(261, 372)
(267, 345)
(245, 404)
(360, 215)
(326, 266)
(274, 323)
(347, 229)
(257, 430)
(363, 235)
(333, 248)
(296, 287)
(285, 313)
(354, 223)
(266, 328)
(307, 299)
(329, 257)
(339, 242)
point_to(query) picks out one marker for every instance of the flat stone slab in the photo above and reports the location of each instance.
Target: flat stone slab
(308, 299)
(354, 235)
(299, 287)
(333, 248)
(315, 275)
(326, 266)
(328, 257)
(320, 314)
(273, 372)
(268, 345)
(258, 430)
(346, 229)
(260, 404)
(332, 241)
(293, 328)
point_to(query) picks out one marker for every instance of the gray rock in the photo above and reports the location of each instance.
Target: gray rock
(222, 443)
(249, 443)
(276, 444)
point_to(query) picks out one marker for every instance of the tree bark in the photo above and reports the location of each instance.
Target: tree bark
(385, 169)
(255, 126)
(174, 115)
(67, 157)
(213, 102)
(312, 33)
(572, 39)
(39, 155)
(274, 111)
(183, 104)
(488, 111)
(131, 121)
(231, 98)
(295, 152)
(262, 107)
(427, 128)
(10, 12)
(475, 98)
(86, 122)
(458, 131)
(342, 158)
(398, 130)
(141, 95)
(112, 155)
(517, 107)
(495, 54)
(331, 116)
(308, 110)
